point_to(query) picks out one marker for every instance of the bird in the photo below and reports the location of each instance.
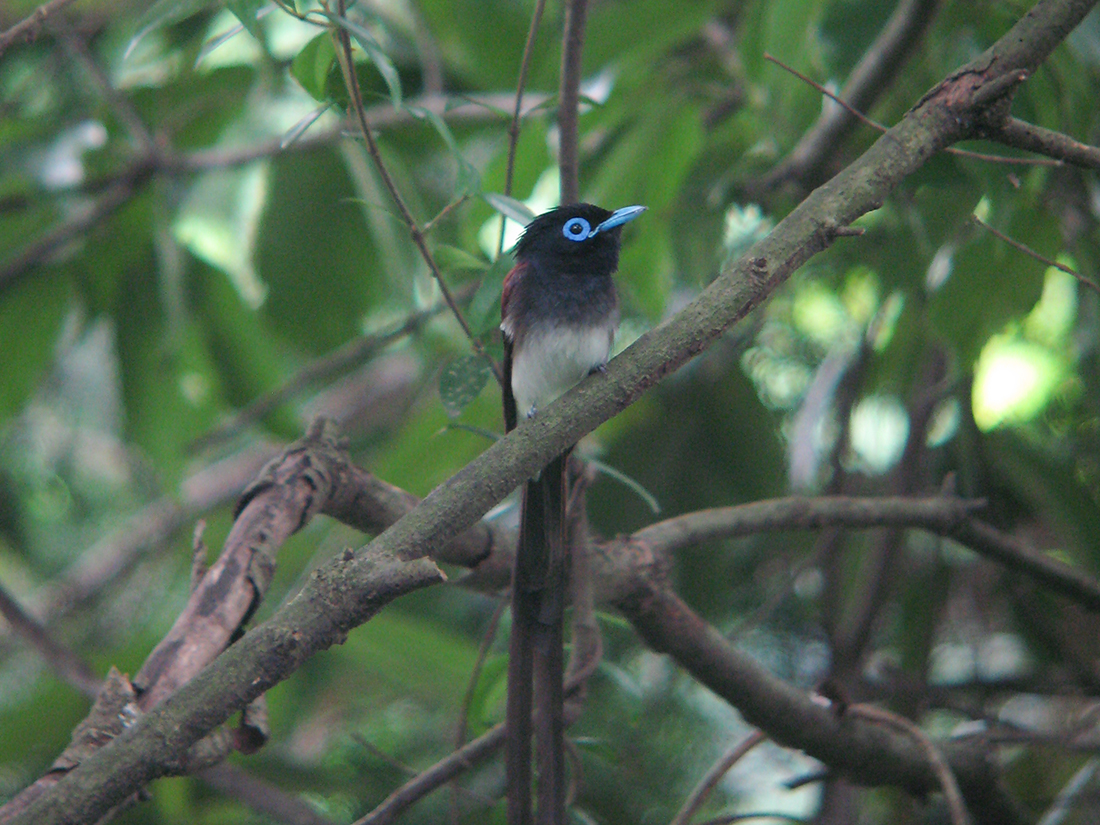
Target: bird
(559, 313)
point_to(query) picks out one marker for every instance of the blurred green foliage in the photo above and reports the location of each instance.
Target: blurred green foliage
(240, 262)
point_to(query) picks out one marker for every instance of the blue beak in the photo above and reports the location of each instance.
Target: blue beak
(618, 218)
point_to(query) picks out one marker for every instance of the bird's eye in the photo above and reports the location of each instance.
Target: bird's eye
(576, 229)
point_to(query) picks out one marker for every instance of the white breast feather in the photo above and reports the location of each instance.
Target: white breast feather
(553, 359)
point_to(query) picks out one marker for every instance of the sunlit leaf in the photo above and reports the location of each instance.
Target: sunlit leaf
(248, 12)
(164, 13)
(509, 207)
(302, 126)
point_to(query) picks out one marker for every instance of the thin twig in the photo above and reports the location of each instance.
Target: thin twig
(513, 128)
(874, 124)
(356, 98)
(438, 774)
(29, 27)
(712, 777)
(338, 361)
(444, 212)
(883, 59)
(64, 662)
(1027, 250)
(471, 686)
(576, 12)
(198, 555)
(115, 197)
(352, 81)
(118, 103)
(955, 803)
(940, 515)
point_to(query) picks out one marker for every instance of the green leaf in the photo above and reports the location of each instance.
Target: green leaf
(461, 382)
(990, 283)
(316, 253)
(312, 65)
(247, 12)
(300, 128)
(241, 348)
(453, 258)
(483, 314)
(631, 484)
(164, 13)
(509, 207)
(488, 693)
(31, 314)
(374, 51)
(468, 181)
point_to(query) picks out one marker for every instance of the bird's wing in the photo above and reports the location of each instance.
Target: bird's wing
(508, 328)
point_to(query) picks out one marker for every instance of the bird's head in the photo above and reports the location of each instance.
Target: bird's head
(577, 237)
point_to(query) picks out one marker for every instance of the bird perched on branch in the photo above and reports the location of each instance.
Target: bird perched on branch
(558, 316)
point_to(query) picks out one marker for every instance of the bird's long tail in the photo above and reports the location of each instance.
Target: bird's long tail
(535, 663)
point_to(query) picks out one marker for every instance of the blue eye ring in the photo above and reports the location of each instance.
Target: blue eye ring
(576, 229)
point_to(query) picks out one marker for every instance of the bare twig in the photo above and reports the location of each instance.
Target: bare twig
(943, 516)
(874, 124)
(1027, 250)
(28, 28)
(942, 770)
(513, 128)
(261, 796)
(115, 197)
(576, 12)
(937, 513)
(352, 81)
(64, 662)
(471, 686)
(1023, 135)
(870, 77)
(340, 360)
(383, 115)
(120, 106)
(438, 774)
(712, 777)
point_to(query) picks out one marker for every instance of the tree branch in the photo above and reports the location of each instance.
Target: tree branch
(28, 28)
(870, 78)
(576, 13)
(865, 752)
(1023, 135)
(350, 589)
